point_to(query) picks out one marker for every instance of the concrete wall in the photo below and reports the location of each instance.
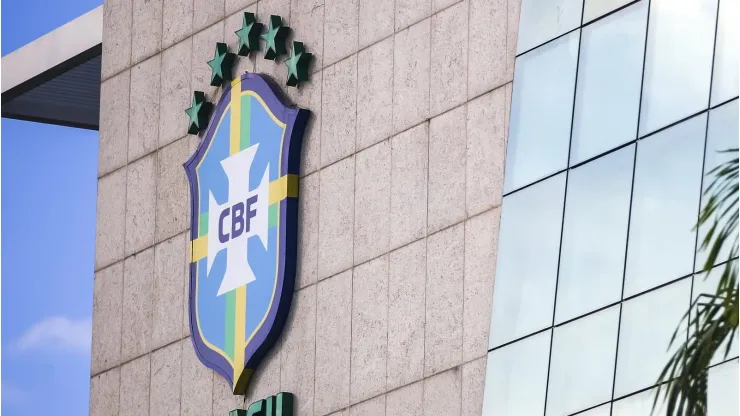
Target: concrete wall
(401, 185)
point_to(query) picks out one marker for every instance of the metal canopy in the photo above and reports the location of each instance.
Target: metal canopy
(56, 78)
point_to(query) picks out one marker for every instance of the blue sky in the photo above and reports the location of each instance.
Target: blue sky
(48, 236)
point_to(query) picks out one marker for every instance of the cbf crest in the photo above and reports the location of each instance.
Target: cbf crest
(244, 194)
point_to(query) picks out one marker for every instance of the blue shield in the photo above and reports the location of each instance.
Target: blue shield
(244, 204)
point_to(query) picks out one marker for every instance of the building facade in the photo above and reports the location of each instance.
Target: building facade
(496, 203)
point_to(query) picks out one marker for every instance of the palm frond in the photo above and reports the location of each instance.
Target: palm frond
(712, 319)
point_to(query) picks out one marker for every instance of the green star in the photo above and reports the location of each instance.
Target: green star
(198, 112)
(275, 38)
(298, 64)
(249, 34)
(221, 64)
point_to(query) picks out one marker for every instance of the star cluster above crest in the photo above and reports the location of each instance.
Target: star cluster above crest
(249, 35)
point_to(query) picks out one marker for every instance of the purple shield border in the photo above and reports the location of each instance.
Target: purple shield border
(295, 120)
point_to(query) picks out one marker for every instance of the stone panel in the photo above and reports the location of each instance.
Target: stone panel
(372, 407)
(409, 12)
(307, 22)
(106, 323)
(116, 37)
(110, 219)
(375, 92)
(206, 13)
(449, 74)
(473, 382)
(481, 243)
(369, 330)
(143, 124)
(411, 66)
(308, 96)
(341, 26)
(444, 306)
(336, 216)
(487, 65)
(114, 110)
(138, 277)
(308, 231)
(104, 392)
(173, 192)
(333, 341)
(196, 383)
(147, 29)
(141, 185)
(134, 400)
(164, 397)
(339, 111)
(204, 49)
(406, 314)
(447, 150)
(297, 358)
(486, 152)
(372, 202)
(376, 21)
(169, 278)
(410, 168)
(175, 97)
(442, 393)
(177, 22)
(406, 401)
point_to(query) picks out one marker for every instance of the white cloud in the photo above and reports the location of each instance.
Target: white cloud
(57, 333)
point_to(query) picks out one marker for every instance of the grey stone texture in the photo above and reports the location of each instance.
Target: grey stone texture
(401, 185)
(138, 277)
(141, 183)
(147, 29)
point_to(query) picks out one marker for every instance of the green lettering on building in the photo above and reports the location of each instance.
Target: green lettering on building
(278, 405)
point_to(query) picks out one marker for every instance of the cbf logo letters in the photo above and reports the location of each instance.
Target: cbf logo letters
(244, 195)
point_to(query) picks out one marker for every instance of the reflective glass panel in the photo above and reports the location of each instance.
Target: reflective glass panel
(609, 76)
(665, 204)
(678, 61)
(639, 405)
(722, 134)
(594, 234)
(725, 80)
(707, 284)
(529, 239)
(603, 410)
(541, 110)
(595, 8)
(648, 323)
(582, 363)
(722, 390)
(542, 20)
(516, 378)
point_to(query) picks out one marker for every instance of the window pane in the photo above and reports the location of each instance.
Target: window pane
(524, 287)
(648, 323)
(665, 206)
(598, 411)
(582, 363)
(595, 234)
(639, 405)
(725, 83)
(541, 111)
(609, 76)
(722, 390)
(543, 20)
(516, 378)
(722, 134)
(595, 8)
(707, 284)
(678, 62)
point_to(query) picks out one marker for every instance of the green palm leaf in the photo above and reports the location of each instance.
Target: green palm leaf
(712, 318)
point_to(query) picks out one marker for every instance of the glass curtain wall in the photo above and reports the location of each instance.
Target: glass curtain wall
(618, 110)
